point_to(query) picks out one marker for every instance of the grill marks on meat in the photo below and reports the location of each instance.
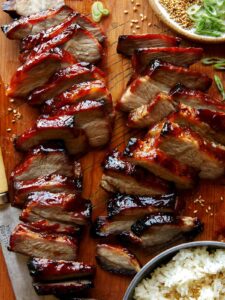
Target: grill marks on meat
(182, 57)
(117, 259)
(90, 90)
(45, 160)
(127, 44)
(59, 207)
(125, 207)
(142, 153)
(159, 229)
(148, 115)
(124, 177)
(52, 183)
(44, 270)
(54, 128)
(60, 289)
(190, 148)
(63, 80)
(34, 73)
(17, 8)
(35, 23)
(26, 241)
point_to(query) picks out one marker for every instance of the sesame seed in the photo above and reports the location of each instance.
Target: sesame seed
(13, 121)
(138, 27)
(11, 100)
(195, 211)
(134, 31)
(149, 24)
(8, 129)
(134, 8)
(131, 25)
(126, 12)
(221, 198)
(138, 4)
(10, 109)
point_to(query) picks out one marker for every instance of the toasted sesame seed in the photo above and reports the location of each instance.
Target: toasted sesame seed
(138, 27)
(149, 24)
(11, 100)
(8, 129)
(125, 12)
(134, 8)
(13, 121)
(138, 4)
(221, 198)
(131, 25)
(195, 211)
(133, 31)
(10, 109)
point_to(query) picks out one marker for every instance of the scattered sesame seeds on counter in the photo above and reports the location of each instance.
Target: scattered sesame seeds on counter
(177, 9)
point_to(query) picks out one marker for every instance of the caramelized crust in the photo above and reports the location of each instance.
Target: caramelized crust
(60, 207)
(117, 259)
(123, 177)
(127, 44)
(64, 79)
(183, 57)
(26, 241)
(55, 270)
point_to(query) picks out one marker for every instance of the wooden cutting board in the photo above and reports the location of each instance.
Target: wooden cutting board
(107, 286)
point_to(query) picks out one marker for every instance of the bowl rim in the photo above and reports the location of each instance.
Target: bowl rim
(165, 18)
(139, 276)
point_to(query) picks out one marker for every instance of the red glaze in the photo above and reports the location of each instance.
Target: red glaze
(27, 25)
(90, 90)
(70, 208)
(171, 75)
(64, 79)
(183, 57)
(24, 77)
(48, 270)
(127, 44)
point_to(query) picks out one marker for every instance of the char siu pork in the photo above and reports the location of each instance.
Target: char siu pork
(142, 153)
(53, 183)
(125, 207)
(159, 229)
(54, 270)
(189, 148)
(183, 57)
(61, 207)
(63, 289)
(17, 8)
(127, 44)
(26, 241)
(63, 80)
(124, 177)
(117, 259)
(150, 114)
(90, 90)
(44, 160)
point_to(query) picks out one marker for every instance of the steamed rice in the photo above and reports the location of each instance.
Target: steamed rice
(191, 274)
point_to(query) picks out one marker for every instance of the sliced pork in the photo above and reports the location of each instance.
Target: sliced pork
(127, 44)
(117, 259)
(150, 114)
(53, 270)
(123, 177)
(61, 207)
(26, 241)
(183, 57)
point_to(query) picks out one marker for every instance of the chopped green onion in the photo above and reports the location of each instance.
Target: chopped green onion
(98, 11)
(220, 86)
(220, 66)
(212, 60)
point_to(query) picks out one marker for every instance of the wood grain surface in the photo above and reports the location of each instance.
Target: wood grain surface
(118, 69)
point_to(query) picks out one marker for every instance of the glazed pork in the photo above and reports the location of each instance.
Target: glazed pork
(150, 114)
(127, 44)
(159, 229)
(125, 207)
(123, 177)
(17, 8)
(26, 241)
(34, 73)
(90, 90)
(207, 123)
(183, 57)
(63, 80)
(104, 227)
(80, 43)
(44, 160)
(117, 259)
(54, 270)
(142, 153)
(52, 129)
(189, 148)
(53, 183)
(63, 289)
(60, 207)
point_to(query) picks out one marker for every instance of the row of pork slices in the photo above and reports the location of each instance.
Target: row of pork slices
(59, 48)
(184, 141)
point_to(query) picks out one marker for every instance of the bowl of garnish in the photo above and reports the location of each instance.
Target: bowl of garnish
(199, 20)
(193, 270)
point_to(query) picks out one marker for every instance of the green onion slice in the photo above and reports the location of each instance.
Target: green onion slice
(98, 11)
(220, 66)
(212, 60)
(219, 86)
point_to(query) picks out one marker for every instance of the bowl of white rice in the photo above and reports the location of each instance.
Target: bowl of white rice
(188, 271)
